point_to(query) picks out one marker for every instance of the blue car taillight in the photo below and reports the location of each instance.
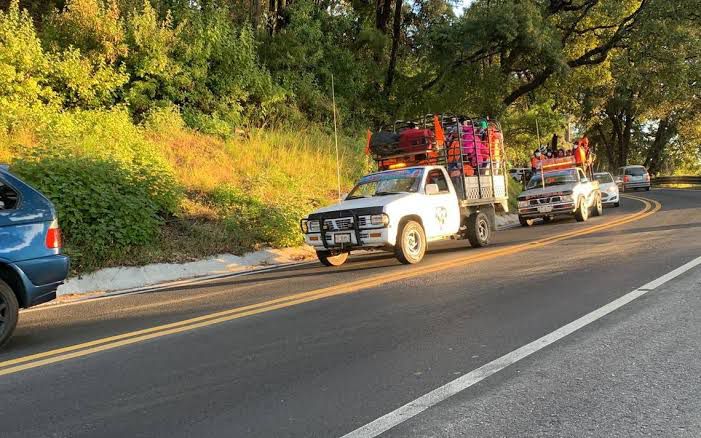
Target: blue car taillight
(53, 236)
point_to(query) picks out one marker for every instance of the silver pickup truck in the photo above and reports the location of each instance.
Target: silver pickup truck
(564, 192)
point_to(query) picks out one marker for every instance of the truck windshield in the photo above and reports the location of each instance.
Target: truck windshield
(387, 183)
(559, 178)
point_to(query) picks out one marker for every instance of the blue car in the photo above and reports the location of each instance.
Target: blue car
(31, 264)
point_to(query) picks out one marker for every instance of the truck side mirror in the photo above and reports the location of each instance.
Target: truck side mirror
(431, 189)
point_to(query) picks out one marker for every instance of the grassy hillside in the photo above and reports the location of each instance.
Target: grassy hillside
(159, 192)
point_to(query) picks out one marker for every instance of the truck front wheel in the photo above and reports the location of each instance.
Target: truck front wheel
(478, 230)
(525, 222)
(9, 312)
(582, 212)
(598, 207)
(327, 258)
(411, 243)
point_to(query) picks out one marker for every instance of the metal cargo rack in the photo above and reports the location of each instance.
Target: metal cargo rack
(487, 185)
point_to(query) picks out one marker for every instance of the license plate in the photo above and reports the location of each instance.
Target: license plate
(545, 208)
(342, 238)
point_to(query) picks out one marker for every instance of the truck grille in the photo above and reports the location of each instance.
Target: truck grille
(344, 223)
(547, 200)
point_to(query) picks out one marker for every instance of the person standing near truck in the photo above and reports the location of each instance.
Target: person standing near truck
(580, 154)
(535, 160)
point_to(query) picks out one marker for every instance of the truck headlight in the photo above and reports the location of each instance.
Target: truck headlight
(379, 219)
(313, 226)
(522, 204)
(566, 198)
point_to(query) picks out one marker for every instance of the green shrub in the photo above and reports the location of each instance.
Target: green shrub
(254, 222)
(515, 189)
(103, 206)
(110, 136)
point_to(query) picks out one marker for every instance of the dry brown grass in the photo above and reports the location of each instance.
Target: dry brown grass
(271, 165)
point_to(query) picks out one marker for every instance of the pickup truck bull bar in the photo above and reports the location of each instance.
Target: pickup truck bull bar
(356, 227)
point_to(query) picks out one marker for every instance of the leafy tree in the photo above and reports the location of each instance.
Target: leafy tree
(92, 26)
(151, 65)
(24, 87)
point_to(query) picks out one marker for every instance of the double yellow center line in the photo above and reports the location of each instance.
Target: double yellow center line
(87, 348)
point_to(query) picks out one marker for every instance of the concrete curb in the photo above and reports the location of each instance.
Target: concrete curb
(224, 265)
(130, 280)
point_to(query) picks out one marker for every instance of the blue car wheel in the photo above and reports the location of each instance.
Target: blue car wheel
(9, 312)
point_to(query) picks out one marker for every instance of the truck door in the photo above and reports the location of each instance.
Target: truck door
(443, 211)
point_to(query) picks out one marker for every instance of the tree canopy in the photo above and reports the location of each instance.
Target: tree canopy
(624, 71)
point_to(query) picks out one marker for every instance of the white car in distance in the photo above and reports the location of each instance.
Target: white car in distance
(609, 189)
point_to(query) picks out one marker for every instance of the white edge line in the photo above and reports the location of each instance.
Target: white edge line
(463, 382)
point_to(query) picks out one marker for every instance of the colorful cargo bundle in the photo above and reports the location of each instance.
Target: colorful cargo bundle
(472, 150)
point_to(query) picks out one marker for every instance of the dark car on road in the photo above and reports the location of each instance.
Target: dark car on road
(31, 264)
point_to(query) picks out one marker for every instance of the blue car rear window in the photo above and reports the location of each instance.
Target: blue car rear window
(8, 197)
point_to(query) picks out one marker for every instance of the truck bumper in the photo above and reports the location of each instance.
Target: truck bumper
(563, 209)
(336, 240)
(636, 185)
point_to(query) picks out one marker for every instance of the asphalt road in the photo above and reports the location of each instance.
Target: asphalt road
(329, 362)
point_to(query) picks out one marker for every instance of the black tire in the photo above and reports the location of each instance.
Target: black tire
(329, 259)
(525, 222)
(411, 243)
(598, 207)
(9, 312)
(617, 204)
(647, 189)
(479, 232)
(582, 212)
(547, 219)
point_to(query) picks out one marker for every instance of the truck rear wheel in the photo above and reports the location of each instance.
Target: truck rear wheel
(598, 207)
(478, 230)
(327, 258)
(9, 312)
(582, 212)
(411, 243)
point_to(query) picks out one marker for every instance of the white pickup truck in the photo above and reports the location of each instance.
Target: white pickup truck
(564, 192)
(402, 210)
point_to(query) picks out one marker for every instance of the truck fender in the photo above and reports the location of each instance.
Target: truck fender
(405, 219)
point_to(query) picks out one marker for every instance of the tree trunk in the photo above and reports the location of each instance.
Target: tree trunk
(256, 12)
(653, 159)
(608, 146)
(272, 16)
(397, 24)
(382, 10)
(625, 140)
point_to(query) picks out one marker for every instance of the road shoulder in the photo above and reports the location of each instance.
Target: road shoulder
(633, 373)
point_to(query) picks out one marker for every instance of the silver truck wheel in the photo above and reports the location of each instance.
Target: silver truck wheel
(478, 230)
(525, 222)
(411, 243)
(598, 207)
(327, 258)
(9, 312)
(582, 212)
